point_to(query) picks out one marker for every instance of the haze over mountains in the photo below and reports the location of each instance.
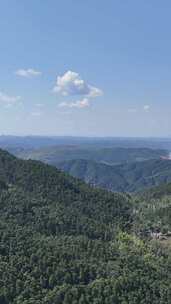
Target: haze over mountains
(111, 156)
(123, 142)
(100, 162)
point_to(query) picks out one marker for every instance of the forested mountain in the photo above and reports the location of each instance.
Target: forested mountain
(55, 154)
(153, 213)
(64, 242)
(160, 191)
(128, 177)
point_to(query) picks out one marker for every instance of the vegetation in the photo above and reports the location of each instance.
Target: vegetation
(153, 211)
(129, 177)
(63, 242)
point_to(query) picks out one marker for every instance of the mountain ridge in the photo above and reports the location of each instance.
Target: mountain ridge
(108, 155)
(130, 177)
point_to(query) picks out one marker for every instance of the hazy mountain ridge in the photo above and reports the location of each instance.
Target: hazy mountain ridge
(36, 142)
(116, 155)
(94, 165)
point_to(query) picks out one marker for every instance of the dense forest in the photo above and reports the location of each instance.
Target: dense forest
(130, 177)
(63, 242)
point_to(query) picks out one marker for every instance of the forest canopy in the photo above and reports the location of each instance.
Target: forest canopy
(62, 241)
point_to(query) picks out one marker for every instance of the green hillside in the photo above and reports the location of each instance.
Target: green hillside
(153, 212)
(158, 192)
(129, 177)
(63, 242)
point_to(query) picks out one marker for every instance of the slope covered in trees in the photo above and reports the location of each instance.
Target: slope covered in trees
(153, 213)
(129, 177)
(64, 242)
(158, 192)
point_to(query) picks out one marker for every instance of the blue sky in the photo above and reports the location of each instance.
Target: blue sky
(90, 68)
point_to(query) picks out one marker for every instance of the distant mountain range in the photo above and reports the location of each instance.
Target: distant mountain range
(111, 156)
(32, 142)
(122, 169)
(115, 169)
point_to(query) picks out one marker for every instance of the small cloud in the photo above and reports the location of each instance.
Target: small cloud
(146, 108)
(28, 73)
(71, 84)
(76, 104)
(9, 100)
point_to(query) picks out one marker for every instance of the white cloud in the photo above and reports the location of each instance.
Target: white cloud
(76, 104)
(28, 73)
(146, 108)
(71, 84)
(8, 100)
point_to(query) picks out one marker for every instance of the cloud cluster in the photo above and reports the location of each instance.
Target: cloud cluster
(28, 73)
(76, 104)
(71, 84)
(8, 100)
